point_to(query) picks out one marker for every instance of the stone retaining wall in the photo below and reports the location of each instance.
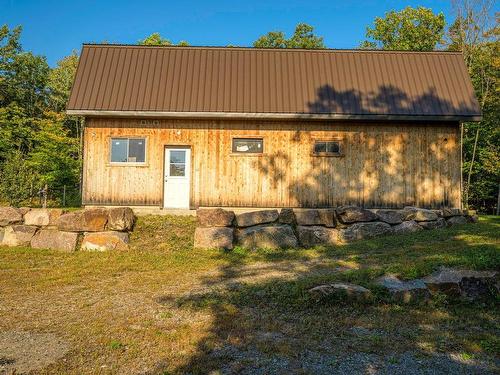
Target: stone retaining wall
(292, 228)
(97, 229)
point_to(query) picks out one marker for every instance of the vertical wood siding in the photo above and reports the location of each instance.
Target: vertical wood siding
(383, 164)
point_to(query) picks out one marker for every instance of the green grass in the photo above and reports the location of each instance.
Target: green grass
(174, 306)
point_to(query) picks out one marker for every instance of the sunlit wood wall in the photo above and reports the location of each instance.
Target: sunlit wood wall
(383, 164)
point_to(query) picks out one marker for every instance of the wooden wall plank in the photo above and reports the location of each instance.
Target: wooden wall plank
(384, 164)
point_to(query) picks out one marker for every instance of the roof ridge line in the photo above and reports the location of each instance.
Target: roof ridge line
(319, 50)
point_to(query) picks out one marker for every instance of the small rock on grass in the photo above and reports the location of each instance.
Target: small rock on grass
(341, 290)
(404, 291)
(466, 284)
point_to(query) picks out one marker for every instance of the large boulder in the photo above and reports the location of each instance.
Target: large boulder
(436, 224)
(214, 238)
(361, 231)
(10, 215)
(214, 217)
(55, 240)
(267, 237)
(18, 235)
(462, 283)
(42, 216)
(91, 220)
(407, 227)
(310, 236)
(450, 212)
(250, 218)
(121, 219)
(404, 291)
(457, 220)
(352, 214)
(419, 214)
(391, 216)
(287, 216)
(308, 217)
(348, 291)
(105, 241)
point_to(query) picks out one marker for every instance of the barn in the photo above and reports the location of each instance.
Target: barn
(190, 127)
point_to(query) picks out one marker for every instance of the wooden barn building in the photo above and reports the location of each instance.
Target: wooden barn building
(189, 127)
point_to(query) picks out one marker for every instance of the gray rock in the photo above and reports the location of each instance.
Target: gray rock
(121, 219)
(462, 283)
(267, 237)
(352, 214)
(327, 217)
(308, 217)
(456, 220)
(419, 214)
(407, 227)
(10, 215)
(214, 238)
(391, 216)
(450, 212)
(404, 291)
(313, 216)
(105, 241)
(214, 217)
(341, 290)
(287, 216)
(89, 220)
(361, 231)
(42, 216)
(55, 240)
(439, 223)
(310, 236)
(18, 235)
(248, 219)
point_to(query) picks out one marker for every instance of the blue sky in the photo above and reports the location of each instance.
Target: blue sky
(55, 28)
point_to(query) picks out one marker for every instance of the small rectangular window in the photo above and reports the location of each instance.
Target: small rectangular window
(328, 148)
(248, 145)
(128, 150)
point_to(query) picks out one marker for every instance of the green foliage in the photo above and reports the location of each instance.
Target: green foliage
(156, 39)
(303, 37)
(17, 179)
(61, 80)
(411, 29)
(480, 46)
(39, 144)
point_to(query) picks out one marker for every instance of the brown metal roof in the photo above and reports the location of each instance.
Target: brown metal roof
(162, 80)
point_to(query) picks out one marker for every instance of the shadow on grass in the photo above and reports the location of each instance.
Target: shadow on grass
(271, 325)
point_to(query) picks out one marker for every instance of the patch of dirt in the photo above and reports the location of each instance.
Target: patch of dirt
(22, 352)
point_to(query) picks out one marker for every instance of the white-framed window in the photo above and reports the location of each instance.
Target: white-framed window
(128, 150)
(327, 148)
(248, 145)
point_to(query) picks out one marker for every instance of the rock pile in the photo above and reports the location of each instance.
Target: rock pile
(456, 284)
(96, 229)
(291, 228)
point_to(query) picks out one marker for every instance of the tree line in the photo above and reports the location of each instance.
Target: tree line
(41, 146)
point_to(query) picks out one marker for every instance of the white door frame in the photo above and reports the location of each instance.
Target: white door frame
(176, 189)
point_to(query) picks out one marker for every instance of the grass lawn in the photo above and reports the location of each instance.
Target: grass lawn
(166, 308)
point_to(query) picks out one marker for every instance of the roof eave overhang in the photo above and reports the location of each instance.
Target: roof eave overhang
(270, 116)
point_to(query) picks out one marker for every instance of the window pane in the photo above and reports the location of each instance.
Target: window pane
(137, 150)
(119, 150)
(320, 147)
(333, 147)
(177, 156)
(177, 169)
(248, 145)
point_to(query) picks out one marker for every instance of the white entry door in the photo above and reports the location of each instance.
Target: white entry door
(177, 175)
